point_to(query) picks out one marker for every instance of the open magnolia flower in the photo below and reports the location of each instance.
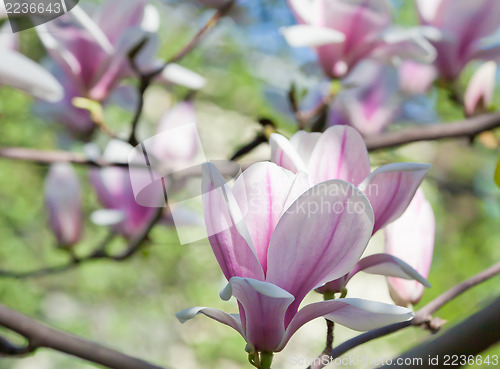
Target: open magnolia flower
(468, 29)
(411, 237)
(344, 32)
(340, 153)
(276, 239)
(108, 37)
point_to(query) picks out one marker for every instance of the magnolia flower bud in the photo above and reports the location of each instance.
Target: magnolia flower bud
(411, 238)
(63, 202)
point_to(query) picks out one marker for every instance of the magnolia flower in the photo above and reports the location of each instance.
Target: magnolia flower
(411, 238)
(114, 190)
(370, 101)
(63, 202)
(479, 94)
(20, 72)
(466, 27)
(340, 153)
(276, 239)
(345, 32)
(374, 96)
(109, 36)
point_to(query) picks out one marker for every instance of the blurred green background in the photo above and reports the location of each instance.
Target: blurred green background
(131, 305)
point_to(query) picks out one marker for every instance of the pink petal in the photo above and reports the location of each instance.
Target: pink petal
(319, 238)
(115, 16)
(391, 188)
(479, 94)
(339, 154)
(284, 154)
(416, 78)
(411, 238)
(262, 310)
(304, 143)
(388, 265)
(261, 192)
(228, 233)
(357, 314)
(215, 314)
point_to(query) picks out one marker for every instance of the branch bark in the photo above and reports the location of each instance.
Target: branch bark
(468, 128)
(42, 336)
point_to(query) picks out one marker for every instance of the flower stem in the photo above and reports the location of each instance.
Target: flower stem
(266, 359)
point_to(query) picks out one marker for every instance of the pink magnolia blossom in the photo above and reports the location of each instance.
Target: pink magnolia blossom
(274, 248)
(479, 94)
(345, 32)
(64, 206)
(92, 56)
(375, 95)
(114, 191)
(467, 28)
(370, 101)
(411, 238)
(340, 153)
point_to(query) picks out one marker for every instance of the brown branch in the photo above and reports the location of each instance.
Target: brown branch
(467, 339)
(468, 128)
(423, 317)
(51, 157)
(99, 253)
(42, 336)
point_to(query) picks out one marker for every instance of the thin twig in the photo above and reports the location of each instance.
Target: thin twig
(51, 157)
(145, 79)
(99, 253)
(42, 336)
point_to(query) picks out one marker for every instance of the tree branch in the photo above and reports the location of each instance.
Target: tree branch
(42, 336)
(468, 128)
(467, 339)
(51, 157)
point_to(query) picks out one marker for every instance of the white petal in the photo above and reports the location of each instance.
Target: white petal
(107, 217)
(151, 20)
(215, 314)
(21, 72)
(303, 35)
(174, 73)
